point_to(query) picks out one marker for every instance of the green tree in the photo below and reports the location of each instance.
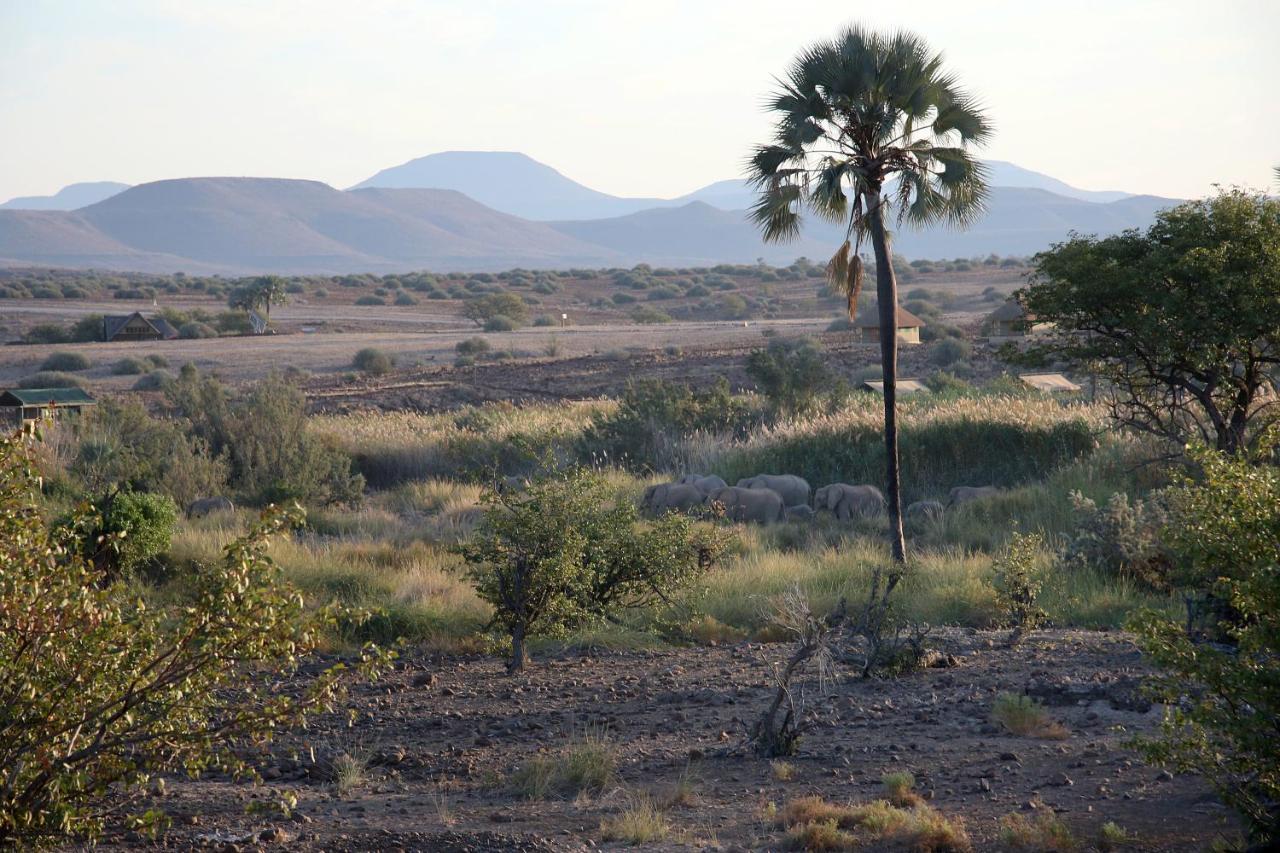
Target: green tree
(96, 692)
(567, 549)
(259, 294)
(1222, 717)
(868, 124)
(129, 531)
(791, 373)
(482, 309)
(1182, 322)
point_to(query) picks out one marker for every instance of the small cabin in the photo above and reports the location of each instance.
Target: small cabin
(905, 387)
(23, 406)
(1013, 320)
(1050, 383)
(135, 327)
(868, 326)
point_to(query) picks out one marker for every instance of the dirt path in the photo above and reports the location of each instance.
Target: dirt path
(442, 736)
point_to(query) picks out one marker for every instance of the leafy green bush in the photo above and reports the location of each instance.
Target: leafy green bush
(791, 374)
(648, 315)
(1017, 581)
(373, 361)
(369, 299)
(567, 549)
(134, 529)
(948, 351)
(481, 309)
(99, 693)
(1222, 703)
(51, 379)
(69, 361)
(653, 416)
(153, 380)
(46, 333)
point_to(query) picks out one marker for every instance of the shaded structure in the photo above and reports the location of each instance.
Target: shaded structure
(135, 327)
(1049, 382)
(868, 327)
(905, 386)
(24, 406)
(1012, 320)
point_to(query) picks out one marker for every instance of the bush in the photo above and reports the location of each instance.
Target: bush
(196, 330)
(1017, 581)
(1123, 538)
(647, 315)
(153, 381)
(69, 361)
(566, 549)
(368, 299)
(88, 328)
(543, 320)
(472, 346)
(499, 324)
(1222, 702)
(46, 333)
(129, 367)
(263, 436)
(948, 351)
(481, 309)
(653, 416)
(373, 361)
(51, 379)
(135, 528)
(157, 690)
(791, 374)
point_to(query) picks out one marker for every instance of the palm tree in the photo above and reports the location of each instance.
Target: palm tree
(868, 126)
(259, 293)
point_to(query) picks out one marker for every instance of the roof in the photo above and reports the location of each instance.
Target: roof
(1011, 310)
(112, 323)
(44, 396)
(871, 319)
(1049, 381)
(905, 386)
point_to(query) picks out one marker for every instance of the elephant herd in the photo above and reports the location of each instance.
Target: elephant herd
(770, 498)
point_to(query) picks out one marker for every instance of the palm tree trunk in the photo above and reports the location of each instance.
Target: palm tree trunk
(887, 296)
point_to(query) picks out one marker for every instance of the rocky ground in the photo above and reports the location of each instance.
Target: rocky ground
(438, 742)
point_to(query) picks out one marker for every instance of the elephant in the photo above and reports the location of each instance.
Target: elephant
(846, 502)
(668, 497)
(792, 489)
(965, 494)
(705, 483)
(200, 507)
(799, 512)
(743, 504)
(925, 511)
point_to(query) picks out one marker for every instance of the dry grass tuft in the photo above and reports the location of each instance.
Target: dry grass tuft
(898, 789)
(641, 823)
(1025, 717)
(586, 766)
(815, 824)
(1045, 833)
(783, 771)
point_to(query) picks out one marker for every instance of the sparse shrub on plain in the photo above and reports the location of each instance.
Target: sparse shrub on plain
(129, 366)
(500, 323)
(154, 380)
(1025, 717)
(1043, 833)
(586, 765)
(509, 306)
(948, 351)
(642, 822)
(68, 361)
(567, 549)
(1018, 581)
(472, 346)
(373, 361)
(195, 330)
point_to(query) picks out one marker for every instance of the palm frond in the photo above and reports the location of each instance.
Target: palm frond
(776, 211)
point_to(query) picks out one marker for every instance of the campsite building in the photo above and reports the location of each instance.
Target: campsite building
(1012, 320)
(1050, 383)
(135, 327)
(22, 406)
(905, 387)
(868, 326)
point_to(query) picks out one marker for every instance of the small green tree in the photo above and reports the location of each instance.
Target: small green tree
(259, 294)
(132, 529)
(1018, 582)
(1222, 717)
(96, 692)
(567, 549)
(482, 309)
(791, 374)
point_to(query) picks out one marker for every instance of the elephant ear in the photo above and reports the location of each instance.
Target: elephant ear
(834, 497)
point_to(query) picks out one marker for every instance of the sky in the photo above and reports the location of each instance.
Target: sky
(652, 98)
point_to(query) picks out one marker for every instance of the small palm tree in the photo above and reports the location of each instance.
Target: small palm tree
(870, 127)
(259, 294)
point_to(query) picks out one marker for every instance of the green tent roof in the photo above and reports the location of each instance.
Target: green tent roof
(44, 396)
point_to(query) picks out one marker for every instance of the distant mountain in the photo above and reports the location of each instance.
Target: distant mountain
(69, 197)
(1018, 221)
(508, 181)
(1005, 174)
(239, 225)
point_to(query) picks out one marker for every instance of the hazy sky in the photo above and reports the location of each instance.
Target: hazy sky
(642, 97)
